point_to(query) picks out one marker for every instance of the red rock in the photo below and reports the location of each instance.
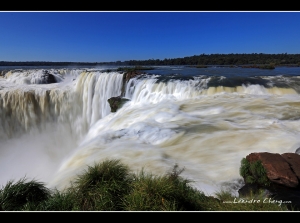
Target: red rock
(294, 160)
(278, 169)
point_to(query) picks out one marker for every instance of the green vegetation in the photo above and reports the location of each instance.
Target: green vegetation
(282, 59)
(111, 186)
(15, 195)
(225, 59)
(254, 173)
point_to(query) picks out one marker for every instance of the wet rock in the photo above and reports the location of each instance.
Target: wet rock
(48, 78)
(3, 72)
(131, 74)
(116, 102)
(126, 77)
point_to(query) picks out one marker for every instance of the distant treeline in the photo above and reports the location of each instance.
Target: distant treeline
(203, 59)
(225, 59)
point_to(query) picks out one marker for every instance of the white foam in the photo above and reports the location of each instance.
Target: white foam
(162, 124)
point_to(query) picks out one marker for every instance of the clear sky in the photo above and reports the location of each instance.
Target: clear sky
(108, 36)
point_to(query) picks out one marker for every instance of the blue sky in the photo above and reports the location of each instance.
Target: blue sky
(107, 36)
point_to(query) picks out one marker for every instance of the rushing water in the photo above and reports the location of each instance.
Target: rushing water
(205, 120)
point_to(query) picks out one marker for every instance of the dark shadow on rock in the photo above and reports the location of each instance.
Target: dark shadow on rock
(116, 103)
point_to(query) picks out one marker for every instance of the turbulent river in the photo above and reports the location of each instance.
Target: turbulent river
(205, 120)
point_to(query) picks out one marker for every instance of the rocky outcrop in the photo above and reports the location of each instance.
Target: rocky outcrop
(3, 72)
(127, 76)
(283, 173)
(131, 74)
(280, 169)
(293, 160)
(116, 102)
(47, 78)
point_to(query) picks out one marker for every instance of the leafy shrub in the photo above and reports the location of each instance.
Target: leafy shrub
(254, 172)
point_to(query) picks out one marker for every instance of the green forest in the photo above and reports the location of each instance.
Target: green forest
(203, 59)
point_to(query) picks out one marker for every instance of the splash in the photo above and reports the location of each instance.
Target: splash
(53, 131)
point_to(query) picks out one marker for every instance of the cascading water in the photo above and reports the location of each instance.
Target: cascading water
(41, 123)
(54, 131)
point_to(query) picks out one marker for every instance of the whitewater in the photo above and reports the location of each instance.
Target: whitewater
(204, 120)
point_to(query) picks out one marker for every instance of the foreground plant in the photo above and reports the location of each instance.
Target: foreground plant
(254, 173)
(102, 186)
(14, 195)
(110, 186)
(169, 192)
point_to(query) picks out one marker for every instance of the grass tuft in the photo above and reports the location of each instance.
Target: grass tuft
(14, 195)
(110, 186)
(102, 186)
